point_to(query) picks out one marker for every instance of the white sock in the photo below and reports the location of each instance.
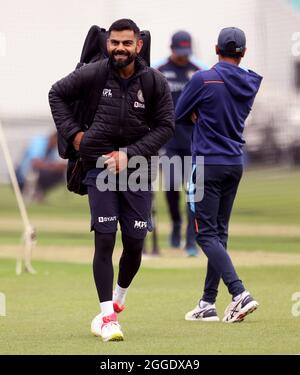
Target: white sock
(204, 304)
(120, 294)
(236, 298)
(107, 308)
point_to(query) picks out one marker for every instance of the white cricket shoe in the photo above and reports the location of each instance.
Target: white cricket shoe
(207, 313)
(96, 325)
(97, 321)
(111, 329)
(237, 310)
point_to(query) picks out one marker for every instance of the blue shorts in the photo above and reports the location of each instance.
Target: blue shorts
(132, 209)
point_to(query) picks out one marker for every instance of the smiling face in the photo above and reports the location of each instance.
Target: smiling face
(123, 47)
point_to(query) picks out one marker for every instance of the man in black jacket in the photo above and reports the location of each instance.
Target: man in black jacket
(178, 70)
(120, 130)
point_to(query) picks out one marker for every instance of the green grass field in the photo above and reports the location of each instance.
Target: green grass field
(50, 313)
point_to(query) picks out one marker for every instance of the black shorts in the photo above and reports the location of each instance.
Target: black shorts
(132, 209)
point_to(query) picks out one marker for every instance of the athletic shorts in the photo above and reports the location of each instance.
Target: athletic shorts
(131, 209)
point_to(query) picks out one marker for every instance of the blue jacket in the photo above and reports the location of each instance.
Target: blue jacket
(222, 98)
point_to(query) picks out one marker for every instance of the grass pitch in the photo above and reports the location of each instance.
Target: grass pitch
(50, 313)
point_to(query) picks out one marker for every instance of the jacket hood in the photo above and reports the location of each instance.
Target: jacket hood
(242, 83)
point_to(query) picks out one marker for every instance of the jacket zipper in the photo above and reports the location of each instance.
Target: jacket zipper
(122, 117)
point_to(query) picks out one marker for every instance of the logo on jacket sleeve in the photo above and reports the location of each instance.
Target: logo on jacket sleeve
(107, 93)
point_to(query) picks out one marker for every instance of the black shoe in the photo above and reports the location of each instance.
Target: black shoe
(175, 238)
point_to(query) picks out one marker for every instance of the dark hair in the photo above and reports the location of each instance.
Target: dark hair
(230, 51)
(124, 24)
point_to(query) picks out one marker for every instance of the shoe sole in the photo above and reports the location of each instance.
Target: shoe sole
(242, 316)
(210, 319)
(248, 309)
(114, 337)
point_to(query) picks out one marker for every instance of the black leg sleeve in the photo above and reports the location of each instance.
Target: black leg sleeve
(102, 265)
(130, 260)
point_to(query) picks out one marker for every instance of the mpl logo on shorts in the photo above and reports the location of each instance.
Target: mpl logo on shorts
(107, 93)
(105, 219)
(140, 224)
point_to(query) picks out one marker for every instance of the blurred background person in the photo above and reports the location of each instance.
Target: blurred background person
(178, 69)
(40, 168)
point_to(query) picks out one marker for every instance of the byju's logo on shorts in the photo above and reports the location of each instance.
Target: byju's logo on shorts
(104, 219)
(140, 224)
(107, 93)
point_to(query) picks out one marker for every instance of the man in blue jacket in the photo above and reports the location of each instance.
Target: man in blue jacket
(218, 101)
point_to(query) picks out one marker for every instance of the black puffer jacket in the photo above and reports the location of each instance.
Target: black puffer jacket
(121, 119)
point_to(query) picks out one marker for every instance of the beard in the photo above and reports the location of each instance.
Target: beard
(119, 64)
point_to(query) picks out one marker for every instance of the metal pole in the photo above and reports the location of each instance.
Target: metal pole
(29, 235)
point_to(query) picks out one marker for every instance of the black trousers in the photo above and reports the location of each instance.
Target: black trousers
(212, 215)
(176, 179)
